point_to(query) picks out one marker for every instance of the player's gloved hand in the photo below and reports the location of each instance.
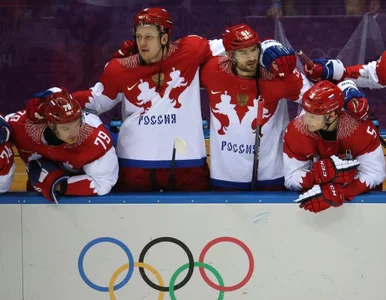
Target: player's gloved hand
(321, 197)
(6, 158)
(325, 69)
(47, 178)
(335, 169)
(278, 59)
(355, 102)
(5, 131)
(127, 48)
(36, 106)
(381, 69)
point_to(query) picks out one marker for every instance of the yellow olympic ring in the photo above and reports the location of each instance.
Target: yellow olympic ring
(138, 265)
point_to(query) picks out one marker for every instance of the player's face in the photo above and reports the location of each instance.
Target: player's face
(246, 61)
(314, 122)
(149, 41)
(68, 132)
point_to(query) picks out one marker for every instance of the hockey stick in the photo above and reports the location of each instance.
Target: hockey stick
(310, 64)
(179, 146)
(259, 123)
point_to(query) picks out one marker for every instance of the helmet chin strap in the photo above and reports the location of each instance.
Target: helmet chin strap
(162, 58)
(328, 124)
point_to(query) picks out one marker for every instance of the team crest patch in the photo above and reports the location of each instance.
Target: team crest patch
(242, 99)
(161, 77)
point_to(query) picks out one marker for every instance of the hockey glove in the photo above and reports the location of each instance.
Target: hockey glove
(325, 69)
(36, 106)
(355, 102)
(6, 158)
(47, 178)
(127, 48)
(381, 69)
(335, 170)
(321, 197)
(5, 131)
(278, 59)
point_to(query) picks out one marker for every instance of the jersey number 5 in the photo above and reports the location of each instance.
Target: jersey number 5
(371, 131)
(102, 139)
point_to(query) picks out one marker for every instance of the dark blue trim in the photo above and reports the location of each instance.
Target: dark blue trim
(247, 185)
(180, 198)
(160, 164)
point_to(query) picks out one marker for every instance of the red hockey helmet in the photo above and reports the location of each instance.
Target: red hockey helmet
(154, 16)
(239, 37)
(62, 108)
(323, 98)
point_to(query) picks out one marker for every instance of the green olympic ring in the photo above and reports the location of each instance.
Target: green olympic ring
(196, 264)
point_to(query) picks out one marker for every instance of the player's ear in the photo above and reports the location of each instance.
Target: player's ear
(164, 39)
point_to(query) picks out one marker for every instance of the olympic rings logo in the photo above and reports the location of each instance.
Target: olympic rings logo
(112, 287)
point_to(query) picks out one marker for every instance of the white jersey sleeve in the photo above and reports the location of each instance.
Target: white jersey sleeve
(364, 75)
(6, 180)
(100, 176)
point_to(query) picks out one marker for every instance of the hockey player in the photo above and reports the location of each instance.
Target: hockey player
(328, 154)
(69, 152)
(234, 83)
(7, 165)
(160, 94)
(371, 75)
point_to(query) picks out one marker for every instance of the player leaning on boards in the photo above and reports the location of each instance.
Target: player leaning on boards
(66, 151)
(251, 69)
(160, 93)
(330, 154)
(7, 165)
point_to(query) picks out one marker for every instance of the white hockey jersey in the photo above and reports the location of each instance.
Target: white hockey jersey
(233, 108)
(153, 119)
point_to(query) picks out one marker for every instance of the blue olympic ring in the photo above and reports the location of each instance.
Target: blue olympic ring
(106, 240)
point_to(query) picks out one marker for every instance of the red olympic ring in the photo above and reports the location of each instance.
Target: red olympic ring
(242, 282)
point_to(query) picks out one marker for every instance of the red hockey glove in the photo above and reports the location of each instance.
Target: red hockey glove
(127, 48)
(335, 170)
(325, 69)
(6, 158)
(47, 178)
(355, 102)
(36, 105)
(321, 197)
(278, 59)
(381, 69)
(35, 109)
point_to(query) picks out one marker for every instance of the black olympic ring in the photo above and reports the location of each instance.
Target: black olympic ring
(178, 243)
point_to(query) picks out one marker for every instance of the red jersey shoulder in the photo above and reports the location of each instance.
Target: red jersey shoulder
(362, 135)
(17, 120)
(215, 68)
(193, 42)
(299, 142)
